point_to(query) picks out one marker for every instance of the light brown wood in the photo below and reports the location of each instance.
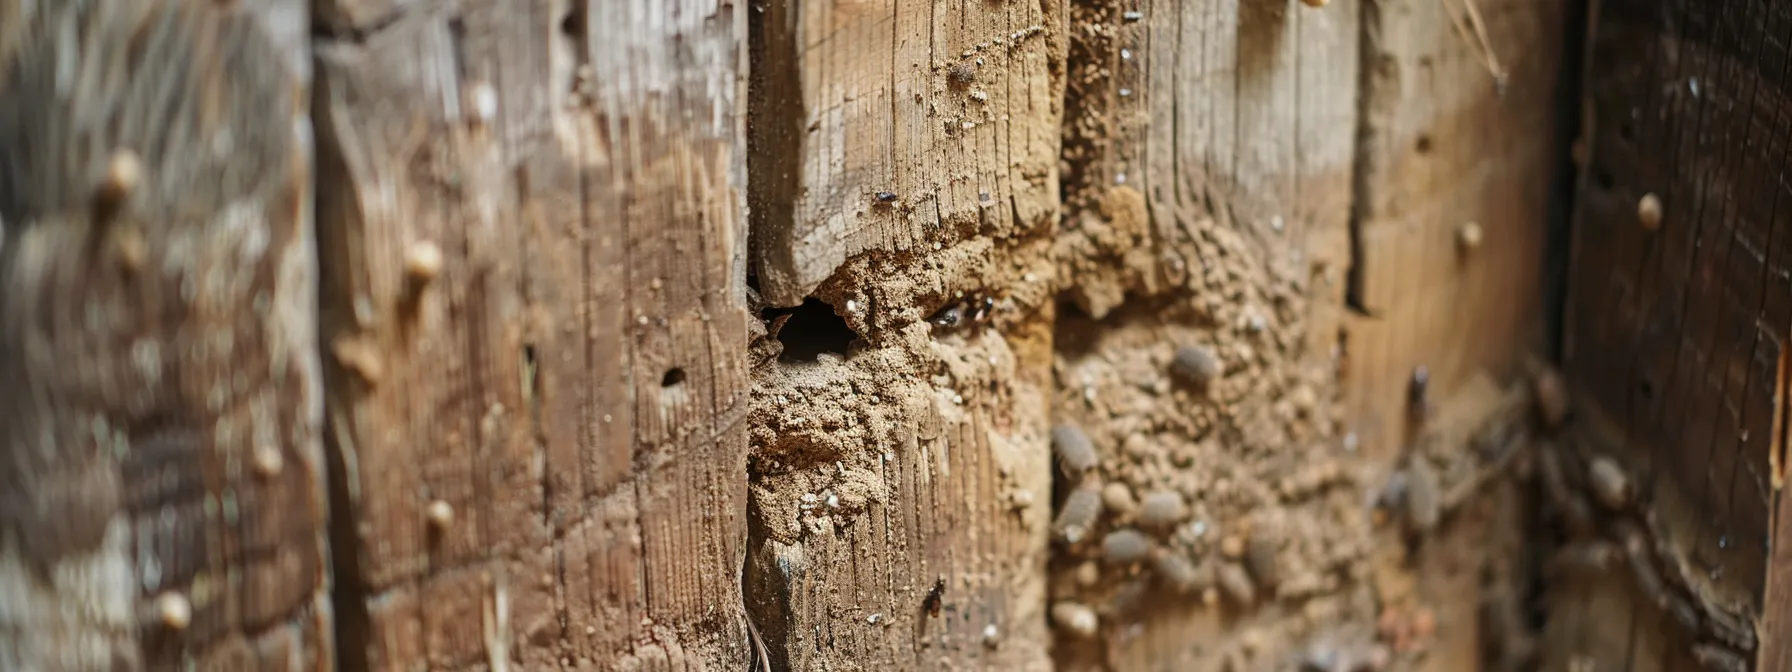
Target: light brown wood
(162, 506)
(539, 441)
(904, 168)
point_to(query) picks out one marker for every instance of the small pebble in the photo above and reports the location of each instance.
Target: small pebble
(1648, 212)
(440, 514)
(1124, 547)
(1609, 483)
(1260, 559)
(1195, 365)
(1236, 584)
(174, 610)
(1088, 574)
(1117, 497)
(1552, 398)
(123, 173)
(1469, 236)
(1232, 547)
(1075, 619)
(1162, 508)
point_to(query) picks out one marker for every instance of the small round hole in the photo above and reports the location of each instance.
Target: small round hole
(1424, 144)
(1605, 180)
(1647, 388)
(571, 25)
(672, 377)
(1626, 132)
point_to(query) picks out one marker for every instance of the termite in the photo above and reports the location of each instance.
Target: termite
(936, 596)
(1079, 511)
(884, 197)
(1195, 365)
(1179, 573)
(1424, 503)
(1075, 452)
(1162, 508)
(1260, 559)
(1124, 547)
(1236, 584)
(1609, 483)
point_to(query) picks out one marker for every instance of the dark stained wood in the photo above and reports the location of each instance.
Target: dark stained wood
(538, 439)
(162, 499)
(1676, 333)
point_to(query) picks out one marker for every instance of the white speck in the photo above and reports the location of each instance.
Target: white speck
(833, 501)
(969, 125)
(1693, 85)
(852, 306)
(874, 618)
(1132, 16)
(994, 361)
(485, 102)
(1198, 528)
(1030, 278)
(1126, 54)
(1350, 442)
(990, 634)
(809, 498)
(607, 418)
(1276, 222)
(1120, 178)
(979, 60)
(958, 399)
(1124, 93)
(888, 457)
(1089, 393)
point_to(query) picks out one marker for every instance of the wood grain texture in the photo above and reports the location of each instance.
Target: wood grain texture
(162, 499)
(889, 463)
(1676, 334)
(568, 382)
(943, 105)
(1445, 142)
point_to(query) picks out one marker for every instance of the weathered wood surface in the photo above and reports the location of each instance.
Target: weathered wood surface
(1677, 323)
(162, 499)
(534, 321)
(904, 163)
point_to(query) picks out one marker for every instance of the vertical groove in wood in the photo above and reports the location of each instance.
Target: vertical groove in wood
(163, 503)
(571, 383)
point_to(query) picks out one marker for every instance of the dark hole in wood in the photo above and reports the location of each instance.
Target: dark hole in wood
(573, 24)
(1626, 132)
(1647, 388)
(812, 329)
(1424, 144)
(674, 376)
(1605, 180)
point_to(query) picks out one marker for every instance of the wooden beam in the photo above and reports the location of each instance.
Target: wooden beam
(534, 311)
(163, 500)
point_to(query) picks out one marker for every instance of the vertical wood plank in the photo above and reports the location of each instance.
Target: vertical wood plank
(163, 500)
(539, 438)
(1676, 323)
(904, 169)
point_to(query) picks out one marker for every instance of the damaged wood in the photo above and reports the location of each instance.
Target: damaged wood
(163, 500)
(534, 309)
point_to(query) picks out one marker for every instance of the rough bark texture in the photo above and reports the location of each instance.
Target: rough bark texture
(1679, 311)
(161, 499)
(534, 314)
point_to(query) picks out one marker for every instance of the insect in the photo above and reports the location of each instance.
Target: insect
(936, 596)
(1124, 547)
(1260, 559)
(1418, 392)
(1196, 365)
(971, 311)
(1162, 508)
(1236, 584)
(1079, 511)
(1075, 618)
(1075, 452)
(1181, 574)
(884, 197)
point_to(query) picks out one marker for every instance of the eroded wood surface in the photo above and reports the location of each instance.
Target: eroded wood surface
(535, 332)
(162, 503)
(1677, 322)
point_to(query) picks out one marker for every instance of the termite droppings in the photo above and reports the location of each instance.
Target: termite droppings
(1236, 584)
(961, 74)
(1117, 497)
(1610, 486)
(1648, 212)
(174, 610)
(1124, 547)
(267, 460)
(1195, 365)
(1078, 513)
(440, 514)
(123, 173)
(1075, 452)
(1180, 574)
(1075, 619)
(1162, 508)
(1468, 236)
(1552, 398)
(422, 263)
(1260, 559)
